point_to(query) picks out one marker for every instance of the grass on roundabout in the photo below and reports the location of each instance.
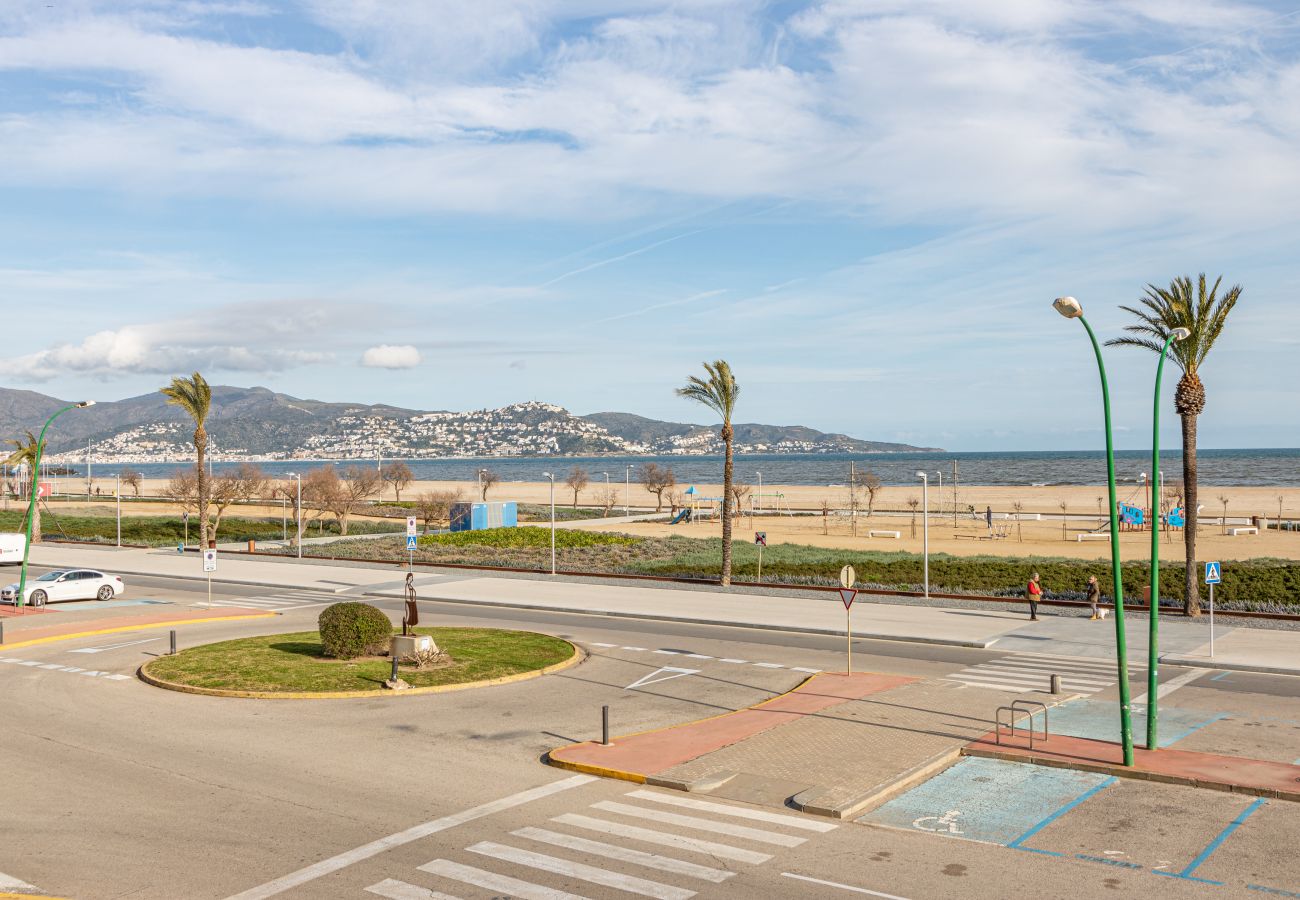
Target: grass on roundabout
(293, 663)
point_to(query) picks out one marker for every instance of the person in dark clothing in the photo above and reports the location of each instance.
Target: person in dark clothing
(1094, 596)
(988, 518)
(1033, 593)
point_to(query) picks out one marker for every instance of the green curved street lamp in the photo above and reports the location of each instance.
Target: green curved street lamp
(1070, 308)
(1153, 642)
(31, 504)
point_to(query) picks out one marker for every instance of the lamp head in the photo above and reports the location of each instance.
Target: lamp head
(1068, 307)
(84, 403)
(921, 475)
(1180, 334)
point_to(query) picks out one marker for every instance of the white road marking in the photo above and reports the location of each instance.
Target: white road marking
(400, 890)
(676, 841)
(629, 883)
(734, 661)
(802, 669)
(740, 812)
(1172, 685)
(667, 818)
(843, 887)
(498, 884)
(625, 854)
(651, 679)
(113, 646)
(59, 667)
(374, 848)
(769, 665)
(698, 656)
(672, 652)
(636, 649)
(10, 883)
(598, 644)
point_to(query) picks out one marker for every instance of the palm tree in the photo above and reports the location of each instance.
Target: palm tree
(719, 394)
(1203, 313)
(195, 397)
(26, 453)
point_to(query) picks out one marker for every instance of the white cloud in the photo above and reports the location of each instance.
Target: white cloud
(391, 356)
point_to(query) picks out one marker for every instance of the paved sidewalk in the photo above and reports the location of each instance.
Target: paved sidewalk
(1182, 642)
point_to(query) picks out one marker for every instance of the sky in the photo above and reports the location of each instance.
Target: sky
(865, 206)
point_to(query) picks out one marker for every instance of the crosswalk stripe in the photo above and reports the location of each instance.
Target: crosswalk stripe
(667, 818)
(583, 872)
(1034, 673)
(625, 854)
(1050, 666)
(501, 884)
(676, 841)
(1072, 660)
(756, 815)
(995, 685)
(400, 890)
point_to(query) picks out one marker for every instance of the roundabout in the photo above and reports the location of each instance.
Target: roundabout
(292, 666)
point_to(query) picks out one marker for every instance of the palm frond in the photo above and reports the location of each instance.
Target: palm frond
(193, 394)
(1153, 346)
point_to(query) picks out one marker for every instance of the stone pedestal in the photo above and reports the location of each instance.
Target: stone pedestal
(406, 646)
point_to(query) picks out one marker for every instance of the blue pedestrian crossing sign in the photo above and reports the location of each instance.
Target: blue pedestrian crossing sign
(410, 541)
(1212, 573)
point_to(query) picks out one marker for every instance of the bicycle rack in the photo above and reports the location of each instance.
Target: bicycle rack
(1019, 706)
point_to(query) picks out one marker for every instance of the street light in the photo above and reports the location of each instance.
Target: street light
(298, 509)
(117, 492)
(627, 492)
(551, 478)
(940, 474)
(1153, 637)
(1070, 308)
(925, 527)
(31, 504)
(760, 492)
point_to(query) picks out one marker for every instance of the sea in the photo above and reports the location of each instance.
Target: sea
(1280, 467)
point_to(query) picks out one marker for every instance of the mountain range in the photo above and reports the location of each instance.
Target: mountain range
(256, 422)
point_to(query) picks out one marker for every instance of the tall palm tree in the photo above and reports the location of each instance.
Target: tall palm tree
(1202, 312)
(195, 397)
(718, 392)
(26, 452)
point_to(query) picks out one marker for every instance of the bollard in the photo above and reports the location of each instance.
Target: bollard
(173, 650)
(1056, 684)
(2, 632)
(604, 726)
(394, 668)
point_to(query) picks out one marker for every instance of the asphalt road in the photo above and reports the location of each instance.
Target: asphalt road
(116, 789)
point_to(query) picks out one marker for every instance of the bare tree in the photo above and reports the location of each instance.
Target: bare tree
(182, 489)
(435, 506)
(1019, 508)
(358, 484)
(288, 491)
(399, 475)
(740, 492)
(1279, 512)
(577, 480)
(1062, 504)
(826, 516)
(674, 498)
(607, 500)
(1224, 521)
(132, 479)
(656, 479)
(320, 491)
(239, 485)
(487, 479)
(914, 503)
(872, 485)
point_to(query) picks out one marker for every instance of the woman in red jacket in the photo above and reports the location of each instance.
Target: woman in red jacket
(1034, 593)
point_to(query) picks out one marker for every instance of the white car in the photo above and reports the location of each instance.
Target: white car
(66, 584)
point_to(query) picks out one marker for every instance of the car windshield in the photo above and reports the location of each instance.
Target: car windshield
(52, 576)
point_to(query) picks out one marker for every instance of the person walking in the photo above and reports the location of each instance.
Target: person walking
(1094, 596)
(988, 518)
(1033, 593)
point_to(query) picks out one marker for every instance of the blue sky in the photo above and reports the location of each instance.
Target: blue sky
(866, 206)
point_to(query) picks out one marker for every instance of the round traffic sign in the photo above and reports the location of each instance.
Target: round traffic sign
(848, 577)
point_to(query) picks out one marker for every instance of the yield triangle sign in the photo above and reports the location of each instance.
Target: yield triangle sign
(847, 595)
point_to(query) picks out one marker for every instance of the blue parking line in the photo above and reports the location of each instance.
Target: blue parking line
(1168, 740)
(1214, 845)
(1220, 675)
(1016, 844)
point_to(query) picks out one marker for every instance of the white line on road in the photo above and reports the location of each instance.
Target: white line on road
(604, 877)
(10, 883)
(624, 854)
(651, 679)
(636, 649)
(599, 644)
(650, 836)
(498, 884)
(1172, 685)
(804, 669)
(734, 661)
(843, 887)
(740, 812)
(374, 848)
(769, 665)
(400, 890)
(740, 831)
(113, 646)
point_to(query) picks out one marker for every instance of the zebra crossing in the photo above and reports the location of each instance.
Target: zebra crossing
(601, 848)
(1024, 672)
(285, 602)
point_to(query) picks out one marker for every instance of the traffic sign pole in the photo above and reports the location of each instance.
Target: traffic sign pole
(1211, 620)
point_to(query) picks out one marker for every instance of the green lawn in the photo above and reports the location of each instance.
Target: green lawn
(293, 662)
(165, 531)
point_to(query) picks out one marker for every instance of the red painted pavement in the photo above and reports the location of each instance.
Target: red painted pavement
(653, 752)
(26, 610)
(1255, 776)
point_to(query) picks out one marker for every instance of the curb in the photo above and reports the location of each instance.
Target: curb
(80, 634)
(1193, 662)
(1132, 773)
(806, 801)
(687, 620)
(578, 656)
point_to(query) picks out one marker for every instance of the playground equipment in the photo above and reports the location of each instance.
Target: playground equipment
(683, 515)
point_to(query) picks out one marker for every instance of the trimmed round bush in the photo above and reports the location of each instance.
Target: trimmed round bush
(349, 630)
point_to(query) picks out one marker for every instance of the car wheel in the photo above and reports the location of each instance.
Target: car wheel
(105, 593)
(38, 598)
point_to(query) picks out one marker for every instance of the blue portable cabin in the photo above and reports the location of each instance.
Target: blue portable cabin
(482, 516)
